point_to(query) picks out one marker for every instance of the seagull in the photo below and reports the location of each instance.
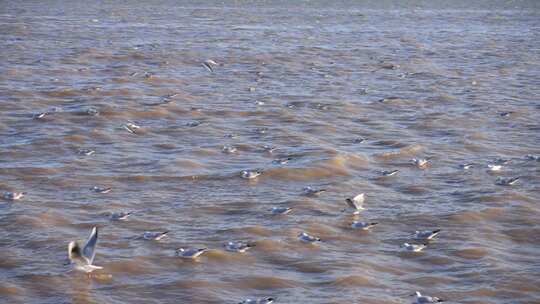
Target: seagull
(502, 161)
(413, 247)
(208, 64)
(131, 127)
(359, 140)
(13, 196)
(306, 238)
(420, 162)
(92, 112)
(362, 225)
(101, 190)
(309, 191)
(532, 157)
(238, 246)
(40, 115)
(193, 123)
(389, 173)
(250, 174)
(426, 234)
(466, 166)
(505, 114)
(280, 210)
(190, 253)
(229, 149)
(120, 216)
(282, 161)
(154, 236)
(507, 181)
(269, 149)
(83, 256)
(86, 152)
(420, 299)
(258, 301)
(356, 203)
(494, 167)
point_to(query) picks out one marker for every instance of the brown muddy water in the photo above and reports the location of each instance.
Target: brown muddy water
(412, 80)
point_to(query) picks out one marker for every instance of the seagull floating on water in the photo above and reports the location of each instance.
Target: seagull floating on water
(280, 210)
(420, 162)
(13, 196)
(258, 301)
(309, 191)
(190, 253)
(40, 115)
(502, 161)
(209, 64)
(154, 236)
(101, 190)
(420, 299)
(120, 216)
(532, 157)
(356, 203)
(238, 246)
(426, 234)
(82, 256)
(362, 225)
(86, 152)
(250, 174)
(413, 247)
(131, 127)
(306, 238)
(494, 167)
(466, 166)
(282, 161)
(507, 181)
(229, 149)
(269, 149)
(389, 173)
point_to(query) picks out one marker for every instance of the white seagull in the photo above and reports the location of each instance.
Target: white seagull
(120, 216)
(101, 190)
(362, 225)
(420, 299)
(494, 167)
(83, 256)
(209, 64)
(507, 181)
(306, 238)
(426, 234)
(238, 246)
(389, 173)
(154, 236)
(420, 162)
(356, 203)
(250, 174)
(13, 196)
(309, 191)
(190, 253)
(131, 127)
(280, 210)
(258, 301)
(413, 247)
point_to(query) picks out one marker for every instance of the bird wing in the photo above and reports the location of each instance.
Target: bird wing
(89, 249)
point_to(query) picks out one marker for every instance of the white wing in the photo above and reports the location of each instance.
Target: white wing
(89, 249)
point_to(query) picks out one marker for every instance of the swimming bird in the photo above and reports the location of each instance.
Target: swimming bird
(356, 203)
(209, 64)
(282, 161)
(502, 161)
(505, 114)
(40, 115)
(92, 112)
(420, 299)
(229, 149)
(269, 149)
(426, 234)
(86, 152)
(413, 247)
(309, 191)
(13, 196)
(190, 253)
(532, 157)
(193, 123)
(154, 236)
(362, 225)
(494, 167)
(82, 256)
(120, 216)
(250, 174)
(389, 173)
(258, 301)
(306, 238)
(507, 181)
(466, 166)
(238, 246)
(420, 162)
(359, 140)
(101, 190)
(131, 127)
(280, 210)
